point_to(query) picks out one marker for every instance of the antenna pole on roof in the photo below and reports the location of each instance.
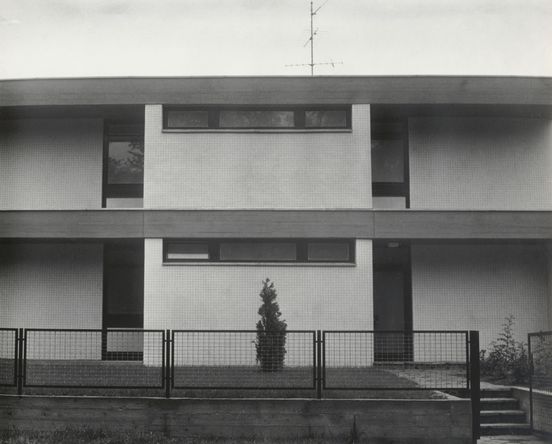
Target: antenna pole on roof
(312, 40)
(313, 33)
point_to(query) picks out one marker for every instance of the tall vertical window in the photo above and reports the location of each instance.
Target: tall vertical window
(390, 173)
(123, 185)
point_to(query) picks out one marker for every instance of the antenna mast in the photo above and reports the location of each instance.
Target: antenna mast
(312, 38)
(313, 32)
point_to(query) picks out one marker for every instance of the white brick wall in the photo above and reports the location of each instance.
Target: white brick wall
(477, 286)
(51, 164)
(227, 296)
(51, 285)
(257, 170)
(480, 163)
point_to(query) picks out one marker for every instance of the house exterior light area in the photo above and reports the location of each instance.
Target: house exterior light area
(373, 203)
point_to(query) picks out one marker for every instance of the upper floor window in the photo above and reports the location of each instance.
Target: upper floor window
(123, 166)
(257, 117)
(390, 173)
(259, 250)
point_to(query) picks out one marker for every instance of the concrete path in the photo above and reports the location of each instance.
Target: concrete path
(513, 440)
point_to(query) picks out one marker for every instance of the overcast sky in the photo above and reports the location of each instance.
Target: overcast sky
(69, 38)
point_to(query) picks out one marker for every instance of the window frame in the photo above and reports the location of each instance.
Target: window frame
(213, 247)
(119, 190)
(299, 117)
(393, 129)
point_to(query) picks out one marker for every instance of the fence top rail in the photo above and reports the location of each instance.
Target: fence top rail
(8, 329)
(540, 333)
(95, 330)
(242, 331)
(408, 332)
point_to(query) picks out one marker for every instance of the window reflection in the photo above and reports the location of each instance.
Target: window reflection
(126, 162)
(326, 119)
(256, 119)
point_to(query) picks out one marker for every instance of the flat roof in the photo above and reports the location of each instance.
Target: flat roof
(477, 90)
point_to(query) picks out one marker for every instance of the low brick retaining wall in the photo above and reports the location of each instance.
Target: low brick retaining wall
(381, 421)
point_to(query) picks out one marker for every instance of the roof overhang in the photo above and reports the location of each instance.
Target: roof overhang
(408, 90)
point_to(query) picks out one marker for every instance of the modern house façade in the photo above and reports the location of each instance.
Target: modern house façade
(385, 203)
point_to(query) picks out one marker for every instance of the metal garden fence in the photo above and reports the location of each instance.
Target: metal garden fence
(239, 360)
(8, 357)
(392, 360)
(92, 359)
(304, 363)
(540, 380)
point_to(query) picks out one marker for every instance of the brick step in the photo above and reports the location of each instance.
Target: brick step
(499, 404)
(503, 416)
(505, 429)
(496, 393)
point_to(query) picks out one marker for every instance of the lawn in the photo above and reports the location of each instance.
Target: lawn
(132, 378)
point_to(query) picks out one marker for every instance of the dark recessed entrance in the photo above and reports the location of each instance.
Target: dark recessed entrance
(392, 302)
(123, 304)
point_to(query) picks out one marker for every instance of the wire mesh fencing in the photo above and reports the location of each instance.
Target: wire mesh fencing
(73, 358)
(8, 357)
(224, 363)
(392, 360)
(243, 359)
(540, 380)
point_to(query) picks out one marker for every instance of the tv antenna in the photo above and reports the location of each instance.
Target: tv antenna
(314, 32)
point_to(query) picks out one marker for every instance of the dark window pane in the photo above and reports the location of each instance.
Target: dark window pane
(256, 119)
(188, 119)
(388, 160)
(326, 119)
(328, 251)
(258, 251)
(187, 251)
(126, 162)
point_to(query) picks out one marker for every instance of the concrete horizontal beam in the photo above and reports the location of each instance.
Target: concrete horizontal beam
(417, 224)
(278, 90)
(247, 223)
(58, 224)
(362, 224)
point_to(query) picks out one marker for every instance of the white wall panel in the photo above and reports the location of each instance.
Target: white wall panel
(51, 164)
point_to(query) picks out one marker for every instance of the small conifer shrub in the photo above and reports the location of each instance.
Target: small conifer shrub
(271, 331)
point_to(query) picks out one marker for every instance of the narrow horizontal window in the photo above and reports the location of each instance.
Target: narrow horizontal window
(329, 251)
(326, 119)
(188, 119)
(258, 250)
(258, 117)
(187, 251)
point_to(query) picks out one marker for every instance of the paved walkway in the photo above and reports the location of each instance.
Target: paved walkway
(513, 440)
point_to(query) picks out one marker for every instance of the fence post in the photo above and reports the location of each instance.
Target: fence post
(319, 364)
(530, 358)
(167, 362)
(20, 360)
(475, 384)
